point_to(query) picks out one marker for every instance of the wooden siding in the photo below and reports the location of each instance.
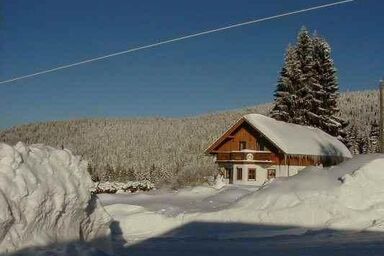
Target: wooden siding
(270, 157)
(228, 150)
(243, 133)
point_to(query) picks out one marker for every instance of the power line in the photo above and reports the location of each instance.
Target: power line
(174, 40)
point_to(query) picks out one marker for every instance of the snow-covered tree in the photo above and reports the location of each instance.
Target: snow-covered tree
(285, 93)
(307, 89)
(294, 99)
(175, 146)
(374, 134)
(328, 92)
(306, 103)
(352, 140)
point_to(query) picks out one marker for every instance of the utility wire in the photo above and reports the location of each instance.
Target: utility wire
(174, 40)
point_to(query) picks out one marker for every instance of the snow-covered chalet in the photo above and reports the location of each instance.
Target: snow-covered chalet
(257, 148)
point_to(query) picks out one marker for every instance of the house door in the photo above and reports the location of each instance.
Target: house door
(229, 174)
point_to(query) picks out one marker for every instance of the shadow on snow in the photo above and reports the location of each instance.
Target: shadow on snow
(210, 238)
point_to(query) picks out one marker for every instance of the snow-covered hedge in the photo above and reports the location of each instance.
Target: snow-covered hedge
(130, 186)
(45, 199)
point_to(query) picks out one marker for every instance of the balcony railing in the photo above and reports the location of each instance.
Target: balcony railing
(244, 156)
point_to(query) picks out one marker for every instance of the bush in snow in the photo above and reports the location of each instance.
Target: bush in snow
(131, 186)
(45, 199)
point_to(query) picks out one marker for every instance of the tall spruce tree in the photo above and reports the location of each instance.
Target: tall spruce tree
(285, 93)
(306, 101)
(308, 94)
(328, 93)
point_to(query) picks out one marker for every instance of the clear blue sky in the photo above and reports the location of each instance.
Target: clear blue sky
(216, 72)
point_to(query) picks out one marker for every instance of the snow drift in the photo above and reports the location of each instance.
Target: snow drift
(45, 199)
(346, 197)
(349, 197)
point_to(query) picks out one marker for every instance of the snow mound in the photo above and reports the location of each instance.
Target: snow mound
(349, 196)
(219, 182)
(45, 199)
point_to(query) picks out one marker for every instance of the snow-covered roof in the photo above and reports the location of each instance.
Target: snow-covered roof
(296, 139)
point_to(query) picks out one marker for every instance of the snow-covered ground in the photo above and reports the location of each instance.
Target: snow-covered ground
(47, 209)
(173, 203)
(332, 208)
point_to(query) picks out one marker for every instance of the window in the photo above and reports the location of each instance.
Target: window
(271, 173)
(242, 145)
(239, 173)
(261, 147)
(251, 174)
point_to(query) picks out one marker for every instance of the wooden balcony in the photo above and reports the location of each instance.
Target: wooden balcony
(244, 156)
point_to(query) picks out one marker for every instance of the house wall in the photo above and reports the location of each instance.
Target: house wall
(265, 155)
(261, 172)
(256, 141)
(288, 170)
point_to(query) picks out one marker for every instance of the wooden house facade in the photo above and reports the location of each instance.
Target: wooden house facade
(258, 148)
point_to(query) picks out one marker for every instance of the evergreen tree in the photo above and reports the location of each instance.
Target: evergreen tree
(307, 90)
(352, 140)
(328, 93)
(362, 144)
(285, 93)
(306, 102)
(373, 140)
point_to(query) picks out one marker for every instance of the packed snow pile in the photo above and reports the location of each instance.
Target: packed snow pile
(345, 197)
(117, 187)
(349, 196)
(45, 199)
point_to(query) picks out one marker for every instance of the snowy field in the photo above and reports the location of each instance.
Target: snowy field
(173, 203)
(335, 211)
(47, 209)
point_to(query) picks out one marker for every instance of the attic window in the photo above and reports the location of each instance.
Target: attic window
(242, 145)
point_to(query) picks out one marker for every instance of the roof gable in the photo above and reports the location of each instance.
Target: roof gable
(225, 135)
(292, 139)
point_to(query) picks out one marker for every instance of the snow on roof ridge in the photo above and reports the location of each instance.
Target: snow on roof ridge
(298, 139)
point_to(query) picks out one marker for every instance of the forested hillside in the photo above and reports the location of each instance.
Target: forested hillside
(165, 150)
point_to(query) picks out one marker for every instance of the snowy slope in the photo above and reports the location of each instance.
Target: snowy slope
(349, 197)
(346, 197)
(45, 199)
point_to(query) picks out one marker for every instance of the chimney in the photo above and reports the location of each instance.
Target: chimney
(381, 116)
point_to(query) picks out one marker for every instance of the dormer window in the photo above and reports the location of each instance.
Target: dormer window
(242, 145)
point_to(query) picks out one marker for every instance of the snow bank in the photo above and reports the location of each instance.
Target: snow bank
(45, 199)
(348, 197)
